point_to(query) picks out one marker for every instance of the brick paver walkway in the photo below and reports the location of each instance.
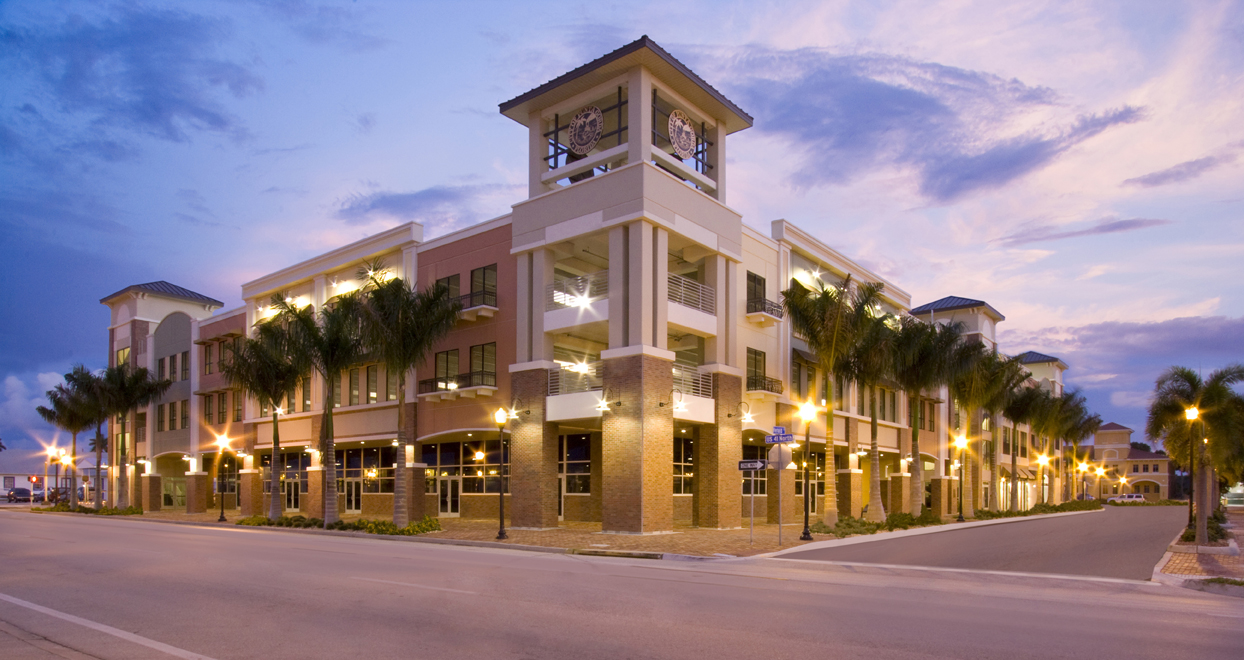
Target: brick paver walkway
(1182, 563)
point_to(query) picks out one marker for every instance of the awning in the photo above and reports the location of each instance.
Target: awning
(1023, 473)
(806, 356)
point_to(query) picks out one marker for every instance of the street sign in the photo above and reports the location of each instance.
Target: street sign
(752, 465)
(779, 430)
(779, 439)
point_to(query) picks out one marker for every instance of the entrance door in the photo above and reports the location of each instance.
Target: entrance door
(290, 488)
(449, 490)
(354, 495)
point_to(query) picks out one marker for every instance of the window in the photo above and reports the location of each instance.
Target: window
(684, 466)
(840, 394)
(754, 480)
(452, 284)
(796, 379)
(337, 391)
(375, 466)
(160, 417)
(306, 394)
(160, 372)
(755, 286)
(185, 413)
(237, 406)
(207, 359)
(453, 459)
(931, 417)
(484, 286)
(354, 387)
(208, 409)
(373, 383)
(1135, 467)
(1146, 488)
(1144, 468)
(172, 367)
(755, 363)
(1006, 441)
(185, 365)
(123, 356)
(1023, 444)
(390, 384)
(222, 407)
(816, 472)
(220, 355)
(291, 401)
(574, 455)
(172, 416)
(1155, 467)
(227, 473)
(446, 369)
(484, 358)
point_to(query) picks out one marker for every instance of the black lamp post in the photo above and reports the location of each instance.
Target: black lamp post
(222, 443)
(808, 412)
(499, 417)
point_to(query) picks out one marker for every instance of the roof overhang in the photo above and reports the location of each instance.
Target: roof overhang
(641, 52)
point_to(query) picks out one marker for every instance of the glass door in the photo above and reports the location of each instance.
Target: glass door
(290, 489)
(354, 495)
(450, 489)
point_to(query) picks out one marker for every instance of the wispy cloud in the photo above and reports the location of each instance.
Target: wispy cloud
(1185, 171)
(1037, 233)
(442, 207)
(324, 24)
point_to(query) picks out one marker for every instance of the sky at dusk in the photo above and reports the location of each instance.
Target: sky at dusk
(1080, 166)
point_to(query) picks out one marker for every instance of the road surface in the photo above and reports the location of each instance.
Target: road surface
(109, 588)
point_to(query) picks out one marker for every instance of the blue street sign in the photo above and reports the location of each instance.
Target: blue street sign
(779, 430)
(779, 438)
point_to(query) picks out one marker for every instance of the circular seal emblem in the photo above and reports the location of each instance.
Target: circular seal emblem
(682, 134)
(585, 130)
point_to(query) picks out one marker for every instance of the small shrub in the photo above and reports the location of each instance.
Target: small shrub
(819, 527)
(1042, 508)
(900, 520)
(929, 517)
(1213, 529)
(254, 521)
(63, 507)
(386, 527)
(848, 526)
(1078, 505)
(1147, 503)
(1219, 515)
(1223, 580)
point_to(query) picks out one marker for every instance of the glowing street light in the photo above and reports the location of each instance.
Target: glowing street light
(961, 443)
(222, 446)
(1192, 414)
(807, 412)
(500, 417)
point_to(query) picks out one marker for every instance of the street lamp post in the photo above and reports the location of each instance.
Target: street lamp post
(807, 412)
(46, 466)
(1101, 472)
(1192, 414)
(1083, 468)
(499, 417)
(56, 461)
(1042, 462)
(222, 444)
(961, 443)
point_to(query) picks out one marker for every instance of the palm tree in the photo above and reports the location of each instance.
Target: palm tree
(400, 326)
(261, 367)
(1005, 376)
(70, 411)
(1179, 390)
(1070, 420)
(125, 389)
(825, 318)
(923, 360)
(90, 386)
(330, 341)
(1022, 405)
(868, 361)
(972, 389)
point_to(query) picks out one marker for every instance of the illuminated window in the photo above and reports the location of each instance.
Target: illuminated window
(123, 356)
(354, 387)
(373, 383)
(185, 365)
(208, 409)
(574, 462)
(684, 464)
(754, 480)
(185, 413)
(207, 359)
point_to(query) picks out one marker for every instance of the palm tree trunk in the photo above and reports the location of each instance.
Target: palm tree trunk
(328, 459)
(73, 472)
(401, 514)
(876, 510)
(122, 498)
(274, 505)
(916, 468)
(831, 473)
(99, 459)
(1202, 499)
(995, 497)
(1014, 471)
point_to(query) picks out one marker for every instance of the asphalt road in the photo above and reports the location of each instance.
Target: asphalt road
(1117, 542)
(79, 585)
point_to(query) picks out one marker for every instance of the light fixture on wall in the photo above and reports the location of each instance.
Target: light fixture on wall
(745, 410)
(603, 404)
(676, 398)
(516, 406)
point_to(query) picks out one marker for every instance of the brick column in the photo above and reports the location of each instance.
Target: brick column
(851, 493)
(198, 492)
(900, 494)
(939, 500)
(250, 493)
(533, 455)
(416, 483)
(717, 458)
(637, 447)
(151, 492)
(311, 505)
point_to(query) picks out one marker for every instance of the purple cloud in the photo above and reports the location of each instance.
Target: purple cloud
(1185, 171)
(1043, 232)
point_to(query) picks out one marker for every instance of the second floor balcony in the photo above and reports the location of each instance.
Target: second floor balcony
(477, 305)
(764, 388)
(763, 312)
(468, 385)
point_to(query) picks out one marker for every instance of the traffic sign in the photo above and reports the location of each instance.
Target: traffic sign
(752, 465)
(779, 430)
(779, 439)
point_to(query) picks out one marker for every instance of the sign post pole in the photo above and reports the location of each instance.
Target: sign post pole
(779, 437)
(752, 466)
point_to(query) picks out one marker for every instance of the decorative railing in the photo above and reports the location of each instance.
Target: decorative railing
(576, 291)
(686, 291)
(691, 382)
(764, 384)
(461, 381)
(478, 299)
(763, 306)
(585, 377)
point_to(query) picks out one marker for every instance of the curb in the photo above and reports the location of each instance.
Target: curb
(947, 527)
(1230, 549)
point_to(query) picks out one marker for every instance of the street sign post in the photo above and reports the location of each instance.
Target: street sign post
(746, 466)
(781, 455)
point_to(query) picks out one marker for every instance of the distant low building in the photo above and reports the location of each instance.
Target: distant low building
(1128, 469)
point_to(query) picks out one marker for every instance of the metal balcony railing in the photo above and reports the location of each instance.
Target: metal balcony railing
(764, 384)
(763, 306)
(460, 381)
(576, 291)
(478, 299)
(686, 291)
(691, 382)
(578, 378)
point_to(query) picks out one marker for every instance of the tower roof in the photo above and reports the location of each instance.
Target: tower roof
(165, 290)
(952, 303)
(643, 51)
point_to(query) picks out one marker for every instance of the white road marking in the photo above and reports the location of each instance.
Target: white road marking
(970, 571)
(108, 630)
(418, 586)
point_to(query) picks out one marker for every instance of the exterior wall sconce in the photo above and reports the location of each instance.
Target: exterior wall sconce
(604, 403)
(679, 404)
(745, 410)
(515, 405)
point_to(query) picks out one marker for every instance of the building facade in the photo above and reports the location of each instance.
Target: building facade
(623, 312)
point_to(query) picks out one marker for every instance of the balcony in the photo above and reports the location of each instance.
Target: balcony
(576, 301)
(477, 305)
(691, 382)
(764, 313)
(468, 385)
(764, 388)
(585, 377)
(692, 307)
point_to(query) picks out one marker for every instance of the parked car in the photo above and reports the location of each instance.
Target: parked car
(1082, 496)
(19, 494)
(36, 495)
(1129, 497)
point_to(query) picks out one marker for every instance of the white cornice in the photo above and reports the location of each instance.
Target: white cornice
(785, 232)
(466, 232)
(397, 237)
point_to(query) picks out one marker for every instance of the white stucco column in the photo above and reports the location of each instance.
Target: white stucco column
(639, 118)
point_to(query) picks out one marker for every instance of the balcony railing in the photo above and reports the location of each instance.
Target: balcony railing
(576, 291)
(478, 299)
(461, 381)
(568, 380)
(691, 382)
(764, 384)
(686, 291)
(763, 306)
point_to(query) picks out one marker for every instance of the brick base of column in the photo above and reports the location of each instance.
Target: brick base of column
(720, 448)
(198, 492)
(638, 446)
(416, 497)
(851, 493)
(311, 505)
(533, 454)
(250, 490)
(791, 505)
(900, 494)
(150, 492)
